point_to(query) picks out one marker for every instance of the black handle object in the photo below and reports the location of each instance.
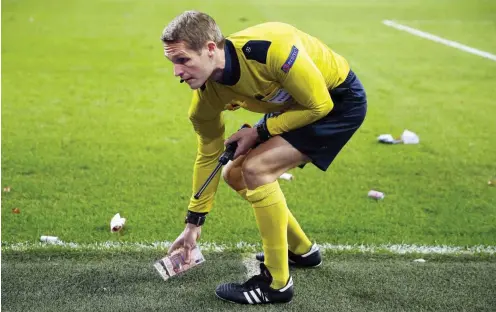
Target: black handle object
(226, 156)
(210, 177)
(228, 153)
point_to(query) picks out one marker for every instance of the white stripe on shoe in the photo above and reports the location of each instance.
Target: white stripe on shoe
(247, 297)
(259, 292)
(252, 293)
(289, 284)
(314, 248)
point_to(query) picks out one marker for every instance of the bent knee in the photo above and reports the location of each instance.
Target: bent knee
(251, 169)
(233, 177)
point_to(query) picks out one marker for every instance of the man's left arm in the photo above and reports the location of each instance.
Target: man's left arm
(293, 68)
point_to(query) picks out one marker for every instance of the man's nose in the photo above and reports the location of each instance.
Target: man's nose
(178, 70)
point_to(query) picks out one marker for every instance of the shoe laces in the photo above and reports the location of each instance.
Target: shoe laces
(261, 280)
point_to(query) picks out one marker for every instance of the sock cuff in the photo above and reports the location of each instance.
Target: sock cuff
(260, 197)
(242, 193)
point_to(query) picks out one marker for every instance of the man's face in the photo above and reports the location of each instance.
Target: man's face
(190, 66)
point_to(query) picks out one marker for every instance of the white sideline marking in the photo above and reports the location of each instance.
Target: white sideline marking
(247, 247)
(447, 42)
(252, 265)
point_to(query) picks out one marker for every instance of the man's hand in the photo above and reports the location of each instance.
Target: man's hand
(187, 240)
(246, 138)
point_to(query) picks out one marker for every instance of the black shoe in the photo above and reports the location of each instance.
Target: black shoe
(256, 290)
(308, 260)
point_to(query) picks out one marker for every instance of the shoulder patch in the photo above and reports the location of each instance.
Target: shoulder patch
(290, 60)
(256, 50)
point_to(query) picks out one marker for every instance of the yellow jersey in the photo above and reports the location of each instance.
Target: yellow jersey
(269, 67)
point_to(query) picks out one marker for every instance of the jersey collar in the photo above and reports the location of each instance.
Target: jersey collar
(231, 73)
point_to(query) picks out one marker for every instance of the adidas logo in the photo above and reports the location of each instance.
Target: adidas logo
(257, 296)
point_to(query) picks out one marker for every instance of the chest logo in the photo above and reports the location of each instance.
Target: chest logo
(280, 97)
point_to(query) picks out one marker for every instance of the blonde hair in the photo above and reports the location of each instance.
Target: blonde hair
(194, 29)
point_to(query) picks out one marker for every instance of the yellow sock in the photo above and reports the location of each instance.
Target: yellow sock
(243, 193)
(297, 240)
(271, 214)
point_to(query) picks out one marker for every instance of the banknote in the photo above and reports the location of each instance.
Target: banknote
(174, 264)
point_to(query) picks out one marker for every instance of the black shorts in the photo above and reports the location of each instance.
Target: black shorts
(323, 139)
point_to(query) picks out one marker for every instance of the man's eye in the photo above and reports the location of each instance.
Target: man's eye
(182, 60)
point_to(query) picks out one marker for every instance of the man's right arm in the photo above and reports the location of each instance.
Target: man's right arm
(209, 126)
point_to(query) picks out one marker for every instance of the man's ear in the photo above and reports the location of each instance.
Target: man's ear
(211, 46)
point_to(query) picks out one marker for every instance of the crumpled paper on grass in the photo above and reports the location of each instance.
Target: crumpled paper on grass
(117, 223)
